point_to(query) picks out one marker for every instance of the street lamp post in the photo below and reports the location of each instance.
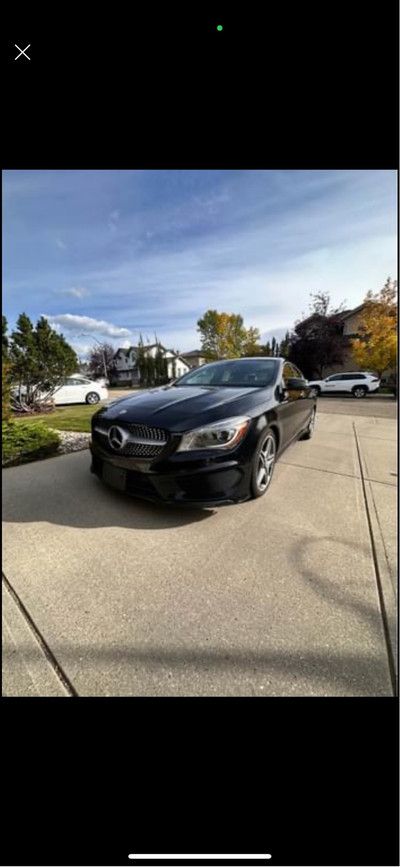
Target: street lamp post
(84, 334)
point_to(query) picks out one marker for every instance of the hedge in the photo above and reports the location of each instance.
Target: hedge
(27, 441)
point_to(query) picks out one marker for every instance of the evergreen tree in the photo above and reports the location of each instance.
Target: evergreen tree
(284, 347)
(5, 390)
(40, 359)
(151, 371)
(4, 338)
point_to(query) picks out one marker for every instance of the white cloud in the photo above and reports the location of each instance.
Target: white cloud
(213, 203)
(71, 322)
(75, 292)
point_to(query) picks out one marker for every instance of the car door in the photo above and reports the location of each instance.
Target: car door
(83, 388)
(290, 408)
(68, 392)
(305, 402)
(333, 383)
(352, 379)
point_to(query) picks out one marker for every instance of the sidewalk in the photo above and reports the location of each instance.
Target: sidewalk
(293, 594)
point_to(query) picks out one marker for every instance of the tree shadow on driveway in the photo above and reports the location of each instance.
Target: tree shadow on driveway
(64, 491)
(344, 594)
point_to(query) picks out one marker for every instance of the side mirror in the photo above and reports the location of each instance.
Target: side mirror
(296, 384)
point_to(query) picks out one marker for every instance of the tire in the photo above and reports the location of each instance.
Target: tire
(92, 398)
(317, 390)
(311, 427)
(266, 446)
(359, 391)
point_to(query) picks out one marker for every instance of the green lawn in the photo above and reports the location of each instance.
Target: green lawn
(75, 418)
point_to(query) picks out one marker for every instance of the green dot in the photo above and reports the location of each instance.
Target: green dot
(220, 27)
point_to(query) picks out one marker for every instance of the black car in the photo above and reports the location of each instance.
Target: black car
(209, 438)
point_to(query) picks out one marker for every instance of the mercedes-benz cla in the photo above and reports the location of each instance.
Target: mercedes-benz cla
(210, 438)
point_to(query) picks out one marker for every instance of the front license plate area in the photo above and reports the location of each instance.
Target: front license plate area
(114, 476)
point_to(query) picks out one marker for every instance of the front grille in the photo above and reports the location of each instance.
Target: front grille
(152, 441)
(141, 451)
(151, 433)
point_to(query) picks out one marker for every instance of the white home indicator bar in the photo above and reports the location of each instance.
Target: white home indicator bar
(199, 857)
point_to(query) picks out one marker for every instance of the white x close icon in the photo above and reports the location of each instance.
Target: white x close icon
(22, 51)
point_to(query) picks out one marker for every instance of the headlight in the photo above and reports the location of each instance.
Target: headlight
(221, 435)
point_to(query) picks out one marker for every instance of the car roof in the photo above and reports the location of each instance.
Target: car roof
(249, 358)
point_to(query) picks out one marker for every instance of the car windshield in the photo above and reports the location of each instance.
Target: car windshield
(240, 373)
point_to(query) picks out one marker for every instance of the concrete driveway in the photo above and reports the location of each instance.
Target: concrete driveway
(289, 595)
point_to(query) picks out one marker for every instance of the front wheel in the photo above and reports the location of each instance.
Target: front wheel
(359, 391)
(92, 398)
(263, 464)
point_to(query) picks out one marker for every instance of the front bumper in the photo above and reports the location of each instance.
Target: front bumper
(179, 480)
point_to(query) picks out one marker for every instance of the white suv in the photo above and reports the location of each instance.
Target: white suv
(358, 384)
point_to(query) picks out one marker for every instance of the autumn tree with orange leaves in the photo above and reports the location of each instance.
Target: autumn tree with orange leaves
(223, 335)
(376, 347)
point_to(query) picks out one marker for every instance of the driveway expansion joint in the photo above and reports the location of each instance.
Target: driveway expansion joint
(390, 649)
(321, 470)
(50, 658)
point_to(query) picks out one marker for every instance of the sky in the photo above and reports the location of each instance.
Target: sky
(111, 254)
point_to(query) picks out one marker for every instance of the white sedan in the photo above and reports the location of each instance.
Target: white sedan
(79, 389)
(358, 384)
(75, 389)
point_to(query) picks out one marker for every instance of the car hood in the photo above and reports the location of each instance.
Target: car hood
(181, 408)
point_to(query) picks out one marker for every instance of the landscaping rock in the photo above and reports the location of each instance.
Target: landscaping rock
(72, 441)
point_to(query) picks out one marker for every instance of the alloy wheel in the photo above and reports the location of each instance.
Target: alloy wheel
(266, 463)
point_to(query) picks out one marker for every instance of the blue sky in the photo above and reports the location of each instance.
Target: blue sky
(113, 253)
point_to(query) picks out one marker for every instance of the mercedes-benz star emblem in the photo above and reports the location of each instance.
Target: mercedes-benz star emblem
(116, 437)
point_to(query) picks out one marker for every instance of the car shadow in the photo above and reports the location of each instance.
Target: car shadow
(160, 670)
(64, 491)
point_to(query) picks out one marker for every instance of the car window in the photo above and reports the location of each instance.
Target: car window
(289, 372)
(298, 372)
(239, 373)
(203, 376)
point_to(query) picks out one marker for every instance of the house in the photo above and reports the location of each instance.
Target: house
(351, 322)
(195, 358)
(125, 369)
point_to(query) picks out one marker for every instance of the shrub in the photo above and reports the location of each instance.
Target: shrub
(24, 442)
